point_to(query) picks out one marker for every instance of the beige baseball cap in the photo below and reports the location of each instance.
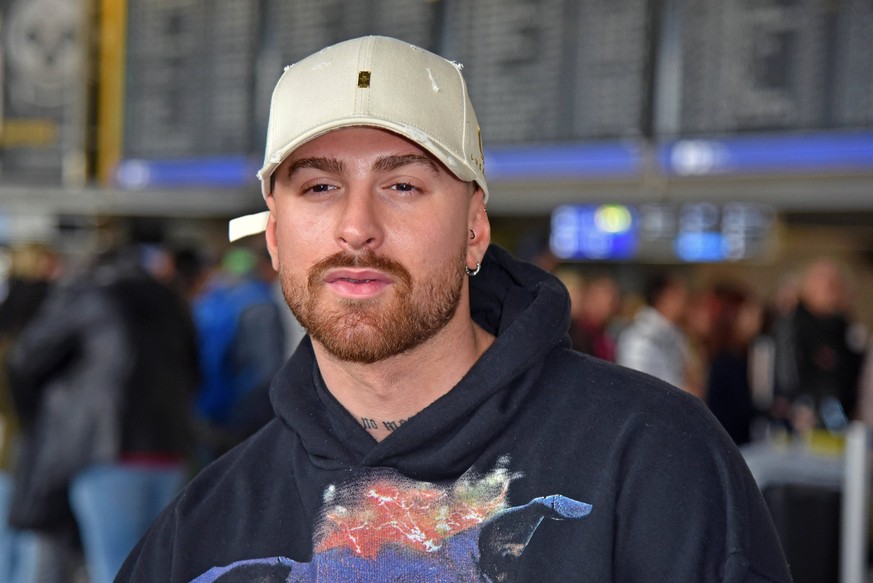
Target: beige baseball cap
(372, 81)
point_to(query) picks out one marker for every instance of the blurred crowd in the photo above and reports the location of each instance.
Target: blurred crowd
(125, 373)
(791, 363)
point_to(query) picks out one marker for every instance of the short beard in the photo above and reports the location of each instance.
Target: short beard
(362, 331)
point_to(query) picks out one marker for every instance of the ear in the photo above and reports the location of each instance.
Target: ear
(477, 222)
(270, 233)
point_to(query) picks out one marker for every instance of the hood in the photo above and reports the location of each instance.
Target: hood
(527, 309)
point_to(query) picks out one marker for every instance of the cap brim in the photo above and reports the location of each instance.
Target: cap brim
(247, 225)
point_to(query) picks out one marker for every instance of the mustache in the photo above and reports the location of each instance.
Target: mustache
(364, 260)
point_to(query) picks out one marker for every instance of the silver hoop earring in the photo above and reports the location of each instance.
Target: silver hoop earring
(472, 272)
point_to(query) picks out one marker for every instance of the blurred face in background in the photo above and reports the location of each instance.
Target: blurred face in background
(601, 301)
(824, 290)
(673, 301)
(699, 319)
(749, 320)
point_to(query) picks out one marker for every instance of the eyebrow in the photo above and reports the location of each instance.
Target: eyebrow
(331, 165)
(389, 163)
(334, 166)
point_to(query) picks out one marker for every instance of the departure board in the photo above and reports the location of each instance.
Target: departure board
(297, 28)
(853, 65)
(753, 66)
(199, 73)
(692, 232)
(190, 77)
(43, 104)
(551, 70)
(607, 72)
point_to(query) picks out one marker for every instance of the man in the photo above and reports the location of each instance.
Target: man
(435, 425)
(818, 365)
(655, 343)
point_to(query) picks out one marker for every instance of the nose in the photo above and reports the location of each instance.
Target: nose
(359, 226)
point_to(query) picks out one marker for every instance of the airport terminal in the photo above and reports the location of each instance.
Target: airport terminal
(727, 142)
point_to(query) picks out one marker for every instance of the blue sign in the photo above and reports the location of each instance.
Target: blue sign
(565, 161)
(700, 247)
(806, 153)
(604, 232)
(226, 171)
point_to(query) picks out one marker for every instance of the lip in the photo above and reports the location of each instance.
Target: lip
(357, 283)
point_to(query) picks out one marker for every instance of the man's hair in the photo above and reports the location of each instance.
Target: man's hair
(657, 283)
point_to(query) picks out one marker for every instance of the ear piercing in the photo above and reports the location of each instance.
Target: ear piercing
(472, 272)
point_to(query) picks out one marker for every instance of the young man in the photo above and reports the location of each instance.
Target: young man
(655, 343)
(435, 425)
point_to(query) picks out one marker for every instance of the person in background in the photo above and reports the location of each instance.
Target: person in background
(737, 322)
(698, 326)
(103, 378)
(188, 272)
(780, 330)
(599, 303)
(241, 339)
(435, 423)
(654, 342)
(33, 269)
(572, 279)
(819, 367)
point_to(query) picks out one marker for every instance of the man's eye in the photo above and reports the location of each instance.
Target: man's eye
(320, 188)
(404, 187)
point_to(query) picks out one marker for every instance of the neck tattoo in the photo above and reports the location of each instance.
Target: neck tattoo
(374, 425)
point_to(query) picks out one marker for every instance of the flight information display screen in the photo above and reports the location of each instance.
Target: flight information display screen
(43, 92)
(690, 232)
(190, 77)
(551, 70)
(542, 73)
(773, 65)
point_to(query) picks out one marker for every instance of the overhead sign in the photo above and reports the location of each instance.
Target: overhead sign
(42, 130)
(775, 154)
(770, 65)
(691, 232)
(552, 70)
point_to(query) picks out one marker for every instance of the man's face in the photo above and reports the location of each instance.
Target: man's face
(824, 291)
(673, 302)
(370, 236)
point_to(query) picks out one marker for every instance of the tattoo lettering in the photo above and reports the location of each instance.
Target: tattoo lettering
(371, 424)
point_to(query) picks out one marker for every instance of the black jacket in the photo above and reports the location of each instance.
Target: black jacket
(107, 367)
(540, 465)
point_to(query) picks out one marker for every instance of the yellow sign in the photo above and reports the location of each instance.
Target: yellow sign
(24, 133)
(613, 218)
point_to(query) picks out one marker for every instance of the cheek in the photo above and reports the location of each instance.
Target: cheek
(299, 239)
(291, 256)
(440, 253)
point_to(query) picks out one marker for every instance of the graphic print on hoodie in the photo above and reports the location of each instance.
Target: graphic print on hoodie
(390, 528)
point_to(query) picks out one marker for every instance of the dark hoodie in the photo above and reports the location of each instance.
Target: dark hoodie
(540, 465)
